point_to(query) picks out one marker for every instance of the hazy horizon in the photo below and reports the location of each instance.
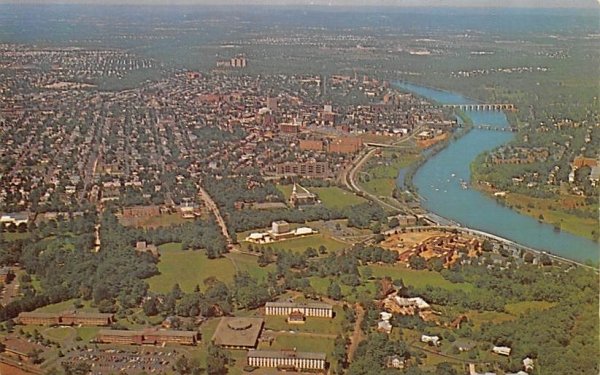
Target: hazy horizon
(591, 4)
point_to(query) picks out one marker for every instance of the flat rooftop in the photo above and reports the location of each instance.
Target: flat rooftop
(242, 332)
(310, 305)
(284, 354)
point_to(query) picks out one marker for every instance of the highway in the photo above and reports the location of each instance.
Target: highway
(212, 206)
(349, 177)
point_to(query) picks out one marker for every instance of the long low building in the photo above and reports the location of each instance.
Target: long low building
(318, 309)
(286, 359)
(68, 318)
(147, 337)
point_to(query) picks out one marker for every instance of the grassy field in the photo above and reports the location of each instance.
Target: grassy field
(418, 278)
(15, 236)
(247, 263)
(87, 333)
(553, 212)
(312, 324)
(332, 197)
(480, 317)
(431, 360)
(60, 334)
(303, 343)
(164, 220)
(66, 305)
(188, 268)
(382, 177)
(320, 285)
(519, 308)
(300, 244)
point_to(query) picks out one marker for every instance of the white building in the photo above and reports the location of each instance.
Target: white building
(435, 340)
(502, 350)
(528, 364)
(318, 309)
(417, 302)
(285, 359)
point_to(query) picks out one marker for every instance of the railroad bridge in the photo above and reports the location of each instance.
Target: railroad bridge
(483, 107)
(495, 128)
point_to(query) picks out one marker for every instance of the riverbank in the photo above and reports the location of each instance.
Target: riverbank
(466, 127)
(443, 183)
(543, 210)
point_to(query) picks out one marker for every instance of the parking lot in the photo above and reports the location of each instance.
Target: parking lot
(110, 361)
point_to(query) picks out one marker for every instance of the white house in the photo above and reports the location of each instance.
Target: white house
(435, 340)
(502, 350)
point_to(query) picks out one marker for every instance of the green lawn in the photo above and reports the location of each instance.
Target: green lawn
(380, 179)
(60, 334)
(302, 343)
(87, 333)
(480, 317)
(312, 324)
(519, 308)
(431, 360)
(418, 278)
(66, 305)
(300, 244)
(332, 197)
(188, 268)
(320, 285)
(164, 220)
(247, 263)
(578, 225)
(15, 236)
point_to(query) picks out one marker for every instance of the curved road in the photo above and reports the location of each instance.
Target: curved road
(349, 177)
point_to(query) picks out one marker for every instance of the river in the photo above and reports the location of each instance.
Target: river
(439, 183)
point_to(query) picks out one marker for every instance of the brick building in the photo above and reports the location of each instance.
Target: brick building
(311, 145)
(68, 318)
(289, 128)
(345, 145)
(147, 337)
(311, 169)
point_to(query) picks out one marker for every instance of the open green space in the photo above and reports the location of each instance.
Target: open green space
(66, 305)
(378, 176)
(432, 359)
(302, 343)
(524, 307)
(300, 244)
(332, 197)
(188, 268)
(164, 220)
(350, 294)
(480, 317)
(60, 334)
(87, 333)
(418, 278)
(8, 236)
(247, 263)
(554, 212)
(311, 325)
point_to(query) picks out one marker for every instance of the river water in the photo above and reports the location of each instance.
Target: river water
(439, 183)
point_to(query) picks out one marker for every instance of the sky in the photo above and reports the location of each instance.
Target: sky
(399, 3)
